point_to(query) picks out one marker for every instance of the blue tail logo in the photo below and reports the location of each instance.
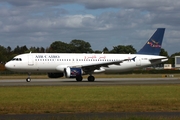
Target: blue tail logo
(153, 43)
(153, 46)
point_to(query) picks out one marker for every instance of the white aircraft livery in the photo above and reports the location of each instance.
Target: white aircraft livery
(72, 65)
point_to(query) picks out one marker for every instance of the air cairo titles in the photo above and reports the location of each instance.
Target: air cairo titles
(47, 56)
(57, 56)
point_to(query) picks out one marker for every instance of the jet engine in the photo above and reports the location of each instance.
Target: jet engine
(73, 72)
(55, 75)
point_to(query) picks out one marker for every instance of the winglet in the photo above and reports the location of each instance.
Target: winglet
(153, 46)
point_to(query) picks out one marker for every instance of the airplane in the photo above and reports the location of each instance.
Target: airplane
(73, 65)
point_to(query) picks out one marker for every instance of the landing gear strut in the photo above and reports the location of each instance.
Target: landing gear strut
(28, 79)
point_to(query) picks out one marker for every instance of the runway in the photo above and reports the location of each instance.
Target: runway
(98, 81)
(96, 116)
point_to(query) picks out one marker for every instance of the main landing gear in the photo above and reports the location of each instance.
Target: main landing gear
(79, 78)
(90, 78)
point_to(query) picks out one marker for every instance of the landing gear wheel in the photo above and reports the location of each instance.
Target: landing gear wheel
(28, 79)
(79, 78)
(91, 78)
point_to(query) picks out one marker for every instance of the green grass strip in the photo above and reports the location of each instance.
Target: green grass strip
(78, 99)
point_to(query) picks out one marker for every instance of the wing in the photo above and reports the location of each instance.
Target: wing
(89, 68)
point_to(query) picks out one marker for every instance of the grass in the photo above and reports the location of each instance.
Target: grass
(89, 99)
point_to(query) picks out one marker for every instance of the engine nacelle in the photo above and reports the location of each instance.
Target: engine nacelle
(72, 72)
(55, 75)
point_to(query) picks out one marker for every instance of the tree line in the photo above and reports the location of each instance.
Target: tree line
(75, 46)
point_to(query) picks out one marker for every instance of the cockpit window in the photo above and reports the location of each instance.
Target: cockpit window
(16, 59)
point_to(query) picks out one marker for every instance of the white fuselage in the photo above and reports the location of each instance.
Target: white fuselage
(57, 62)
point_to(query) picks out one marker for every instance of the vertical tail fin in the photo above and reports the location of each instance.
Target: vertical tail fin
(153, 46)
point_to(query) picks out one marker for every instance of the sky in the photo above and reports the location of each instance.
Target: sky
(106, 23)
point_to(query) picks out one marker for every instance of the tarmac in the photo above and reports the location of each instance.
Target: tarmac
(99, 81)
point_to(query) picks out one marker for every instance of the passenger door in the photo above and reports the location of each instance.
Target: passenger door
(30, 60)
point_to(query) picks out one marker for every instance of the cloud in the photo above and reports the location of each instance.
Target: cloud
(103, 24)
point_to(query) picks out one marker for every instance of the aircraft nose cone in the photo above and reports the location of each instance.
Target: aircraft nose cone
(8, 65)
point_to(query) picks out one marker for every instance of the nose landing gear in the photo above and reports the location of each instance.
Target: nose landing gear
(28, 79)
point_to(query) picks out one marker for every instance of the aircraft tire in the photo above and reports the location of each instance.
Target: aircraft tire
(91, 78)
(28, 79)
(79, 78)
